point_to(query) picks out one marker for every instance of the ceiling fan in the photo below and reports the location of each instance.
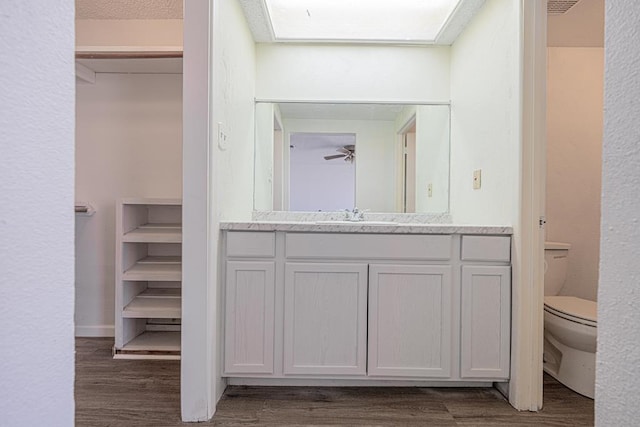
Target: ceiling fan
(348, 152)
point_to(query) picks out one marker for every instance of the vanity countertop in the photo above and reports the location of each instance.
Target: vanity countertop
(381, 227)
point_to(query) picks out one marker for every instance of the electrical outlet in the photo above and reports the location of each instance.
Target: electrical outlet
(430, 190)
(477, 179)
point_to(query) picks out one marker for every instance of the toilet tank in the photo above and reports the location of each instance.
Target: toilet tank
(556, 262)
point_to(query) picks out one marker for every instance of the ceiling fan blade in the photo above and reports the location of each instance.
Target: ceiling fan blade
(343, 150)
(336, 156)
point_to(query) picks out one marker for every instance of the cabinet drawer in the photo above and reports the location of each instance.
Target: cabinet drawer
(251, 244)
(486, 248)
(369, 246)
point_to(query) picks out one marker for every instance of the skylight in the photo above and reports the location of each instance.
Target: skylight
(418, 21)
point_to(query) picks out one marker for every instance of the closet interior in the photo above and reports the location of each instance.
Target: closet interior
(129, 179)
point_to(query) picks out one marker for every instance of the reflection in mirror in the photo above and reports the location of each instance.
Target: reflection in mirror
(322, 176)
(401, 163)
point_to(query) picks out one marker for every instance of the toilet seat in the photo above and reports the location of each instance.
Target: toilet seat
(574, 309)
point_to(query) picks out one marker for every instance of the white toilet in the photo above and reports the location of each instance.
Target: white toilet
(570, 327)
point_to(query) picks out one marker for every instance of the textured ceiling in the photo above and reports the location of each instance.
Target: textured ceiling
(128, 9)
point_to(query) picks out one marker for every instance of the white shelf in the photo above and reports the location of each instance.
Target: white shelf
(161, 260)
(146, 344)
(155, 341)
(151, 201)
(155, 303)
(148, 315)
(168, 269)
(104, 63)
(154, 233)
(85, 51)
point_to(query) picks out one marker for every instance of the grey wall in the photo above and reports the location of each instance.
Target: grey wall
(618, 358)
(36, 213)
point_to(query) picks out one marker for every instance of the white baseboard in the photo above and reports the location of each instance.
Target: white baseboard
(503, 388)
(95, 331)
(365, 382)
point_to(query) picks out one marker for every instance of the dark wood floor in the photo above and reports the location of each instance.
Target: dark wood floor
(147, 393)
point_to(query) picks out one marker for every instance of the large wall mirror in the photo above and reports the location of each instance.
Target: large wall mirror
(329, 157)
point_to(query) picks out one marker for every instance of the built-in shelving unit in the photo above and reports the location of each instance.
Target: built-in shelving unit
(148, 279)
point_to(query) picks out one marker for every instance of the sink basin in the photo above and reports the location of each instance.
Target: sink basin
(336, 222)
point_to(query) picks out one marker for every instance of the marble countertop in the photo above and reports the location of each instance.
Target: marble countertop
(382, 227)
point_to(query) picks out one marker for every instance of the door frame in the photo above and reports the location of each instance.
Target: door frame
(201, 383)
(401, 162)
(525, 387)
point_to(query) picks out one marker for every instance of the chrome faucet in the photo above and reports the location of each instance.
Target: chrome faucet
(354, 215)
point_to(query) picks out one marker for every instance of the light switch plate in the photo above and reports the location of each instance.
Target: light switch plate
(477, 179)
(430, 190)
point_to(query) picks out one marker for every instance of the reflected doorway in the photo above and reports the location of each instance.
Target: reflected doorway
(409, 162)
(322, 171)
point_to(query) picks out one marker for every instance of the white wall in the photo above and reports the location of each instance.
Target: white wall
(129, 32)
(234, 76)
(264, 157)
(430, 150)
(128, 144)
(497, 83)
(218, 183)
(199, 250)
(432, 158)
(279, 150)
(352, 73)
(574, 161)
(485, 116)
(375, 162)
(294, 72)
(617, 368)
(36, 215)
(228, 191)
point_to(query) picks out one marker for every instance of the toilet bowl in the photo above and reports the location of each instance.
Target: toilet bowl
(570, 327)
(570, 332)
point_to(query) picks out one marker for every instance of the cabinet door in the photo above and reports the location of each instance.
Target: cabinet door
(249, 317)
(325, 318)
(486, 320)
(410, 320)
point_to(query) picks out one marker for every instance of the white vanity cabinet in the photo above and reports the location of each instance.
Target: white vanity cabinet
(250, 299)
(485, 307)
(249, 303)
(410, 315)
(325, 318)
(307, 306)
